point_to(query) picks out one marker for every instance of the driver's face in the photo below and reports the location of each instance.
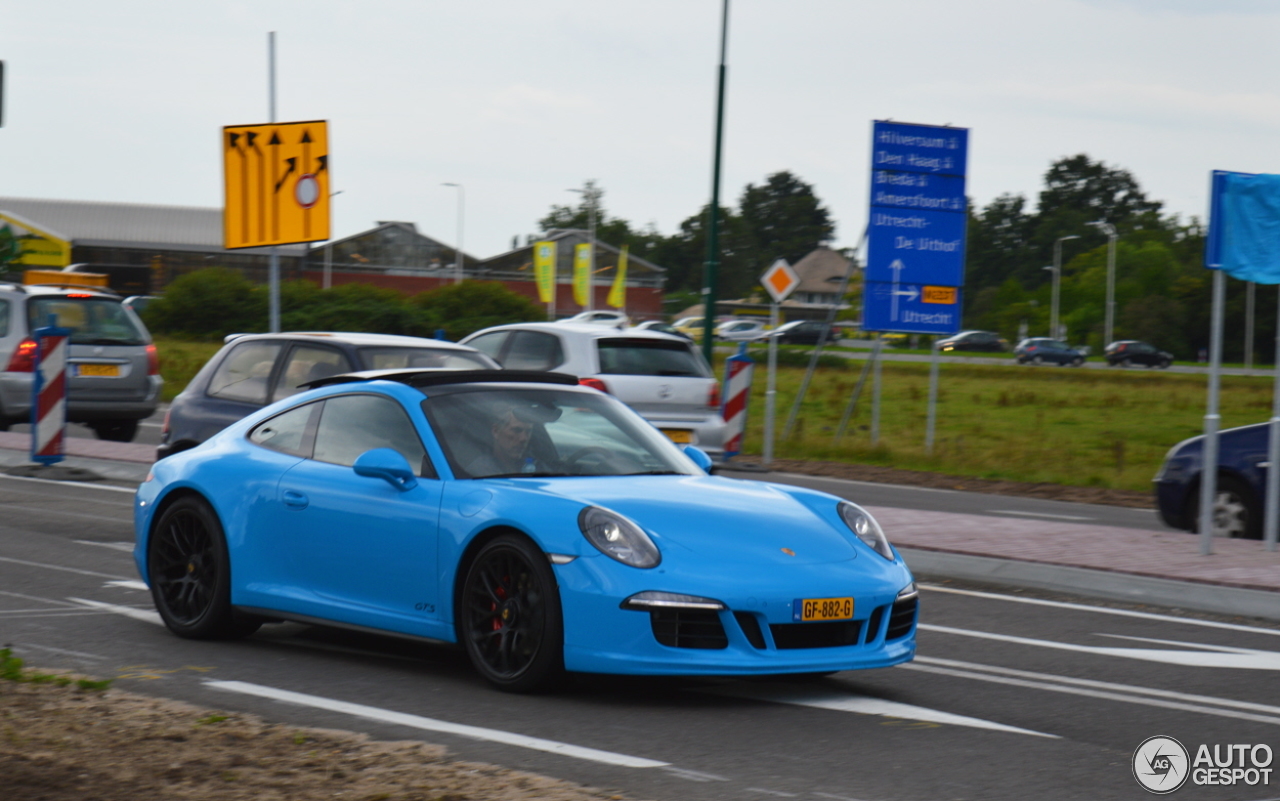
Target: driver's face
(510, 436)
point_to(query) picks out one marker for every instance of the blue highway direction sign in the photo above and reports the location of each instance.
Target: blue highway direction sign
(911, 308)
(916, 231)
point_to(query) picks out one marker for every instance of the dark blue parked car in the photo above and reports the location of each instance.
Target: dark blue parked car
(1242, 472)
(1043, 350)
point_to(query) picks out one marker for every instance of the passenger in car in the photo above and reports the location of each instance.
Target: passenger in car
(510, 441)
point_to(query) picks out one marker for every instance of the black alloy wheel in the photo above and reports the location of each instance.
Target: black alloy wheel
(510, 620)
(1237, 514)
(190, 574)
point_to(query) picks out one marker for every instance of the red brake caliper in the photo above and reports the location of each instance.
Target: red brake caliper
(501, 592)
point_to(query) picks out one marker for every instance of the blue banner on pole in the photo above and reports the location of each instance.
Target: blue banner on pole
(1244, 226)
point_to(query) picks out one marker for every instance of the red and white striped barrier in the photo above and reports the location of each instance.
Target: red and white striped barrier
(737, 390)
(49, 398)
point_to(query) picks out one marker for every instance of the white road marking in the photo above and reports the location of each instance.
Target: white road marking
(80, 654)
(128, 584)
(115, 546)
(1210, 656)
(835, 797)
(801, 695)
(38, 598)
(69, 483)
(1036, 514)
(1102, 610)
(1107, 696)
(430, 724)
(128, 611)
(693, 775)
(1101, 685)
(778, 793)
(60, 568)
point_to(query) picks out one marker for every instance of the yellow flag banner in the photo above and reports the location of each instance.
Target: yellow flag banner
(544, 270)
(618, 294)
(582, 275)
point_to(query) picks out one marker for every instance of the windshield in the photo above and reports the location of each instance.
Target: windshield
(501, 432)
(396, 358)
(92, 320)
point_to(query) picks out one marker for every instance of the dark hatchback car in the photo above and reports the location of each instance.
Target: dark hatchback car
(256, 369)
(799, 332)
(986, 341)
(1242, 473)
(1128, 352)
(1043, 350)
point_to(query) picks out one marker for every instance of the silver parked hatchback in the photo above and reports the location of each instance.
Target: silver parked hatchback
(113, 375)
(663, 377)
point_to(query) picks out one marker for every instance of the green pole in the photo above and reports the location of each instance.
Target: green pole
(709, 275)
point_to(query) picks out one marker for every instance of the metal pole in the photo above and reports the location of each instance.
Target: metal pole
(853, 399)
(771, 392)
(712, 269)
(458, 263)
(1249, 292)
(1111, 285)
(273, 273)
(1054, 330)
(1209, 454)
(933, 401)
(1271, 521)
(875, 393)
(328, 248)
(591, 252)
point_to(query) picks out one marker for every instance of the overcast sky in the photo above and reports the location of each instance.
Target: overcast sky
(520, 100)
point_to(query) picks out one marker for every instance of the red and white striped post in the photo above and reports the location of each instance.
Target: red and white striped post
(737, 390)
(49, 393)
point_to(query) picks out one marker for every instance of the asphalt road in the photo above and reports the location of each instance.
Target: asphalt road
(1009, 698)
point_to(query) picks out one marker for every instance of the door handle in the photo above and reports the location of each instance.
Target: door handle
(295, 500)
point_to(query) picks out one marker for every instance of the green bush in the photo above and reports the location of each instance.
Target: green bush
(461, 309)
(208, 303)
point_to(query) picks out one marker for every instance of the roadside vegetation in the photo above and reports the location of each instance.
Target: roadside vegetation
(1048, 424)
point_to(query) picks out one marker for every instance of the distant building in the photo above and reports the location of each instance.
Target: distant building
(820, 272)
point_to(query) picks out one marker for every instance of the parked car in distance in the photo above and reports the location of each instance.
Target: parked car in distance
(616, 319)
(987, 341)
(662, 377)
(113, 373)
(253, 370)
(1128, 352)
(690, 326)
(798, 332)
(1241, 488)
(661, 327)
(377, 502)
(139, 302)
(741, 330)
(1043, 350)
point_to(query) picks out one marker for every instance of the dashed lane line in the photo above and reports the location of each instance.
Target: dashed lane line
(115, 546)
(85, 484)
(431, 724)
(61, 568)
(146, 615)
(1036, 514)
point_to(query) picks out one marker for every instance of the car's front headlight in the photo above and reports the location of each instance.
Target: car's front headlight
(861, 523)
(618, 538)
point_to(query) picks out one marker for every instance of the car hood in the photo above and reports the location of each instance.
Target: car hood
(729, 520)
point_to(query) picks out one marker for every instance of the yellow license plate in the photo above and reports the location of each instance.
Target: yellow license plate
(102, 370)
(679, 436)
(805, 610)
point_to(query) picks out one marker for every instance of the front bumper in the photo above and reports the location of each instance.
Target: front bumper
(600, 637)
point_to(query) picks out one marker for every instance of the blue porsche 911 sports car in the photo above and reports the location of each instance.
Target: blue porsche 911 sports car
(542, 525)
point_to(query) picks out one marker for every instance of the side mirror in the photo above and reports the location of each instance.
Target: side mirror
(387, 464)
(699, 457)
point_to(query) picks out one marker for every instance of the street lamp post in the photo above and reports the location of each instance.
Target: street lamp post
(1057, 282)
(328, 248)
(1109, 327)
(590, 196)
(457, 252)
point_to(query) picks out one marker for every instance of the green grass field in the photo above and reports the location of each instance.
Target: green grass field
(1059, 425)
(1108, 428)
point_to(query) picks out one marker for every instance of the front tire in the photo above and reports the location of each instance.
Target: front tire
(190, 574)
(1077, 362)
(1037, 360)
(1236, 512)
(509, 619)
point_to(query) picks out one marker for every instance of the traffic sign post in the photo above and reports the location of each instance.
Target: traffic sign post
(916, 239)
(779, 281)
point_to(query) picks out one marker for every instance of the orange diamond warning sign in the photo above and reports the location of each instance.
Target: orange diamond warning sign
(780, 280)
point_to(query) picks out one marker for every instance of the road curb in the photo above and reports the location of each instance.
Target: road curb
(1095, 583)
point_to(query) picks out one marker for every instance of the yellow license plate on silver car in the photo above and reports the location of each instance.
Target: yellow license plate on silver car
(805, 610)
(100, 370)
(680, 436)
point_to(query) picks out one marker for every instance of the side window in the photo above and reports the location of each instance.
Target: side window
(287, 432)
(4, 318)
(353, 424)
(490, 344)
(533, 350)
(244, 373)
(308, 363)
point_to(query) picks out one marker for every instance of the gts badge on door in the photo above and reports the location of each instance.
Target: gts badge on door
(424, 607)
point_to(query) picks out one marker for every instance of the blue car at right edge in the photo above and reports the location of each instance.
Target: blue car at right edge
(1242, 475)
